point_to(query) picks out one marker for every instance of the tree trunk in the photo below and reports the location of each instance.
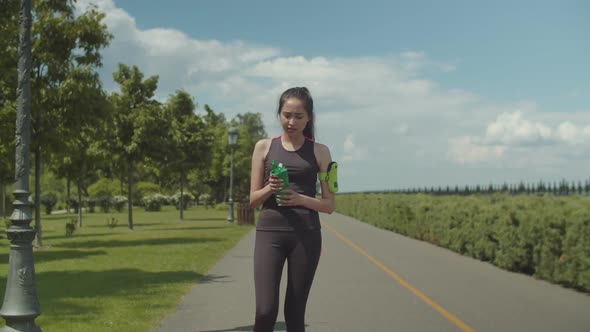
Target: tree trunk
(68, 196)
(224, 189)
(79, 184)
(181, 195)
(121, 181)
(3, 198)
(38, 197)
(129, 192)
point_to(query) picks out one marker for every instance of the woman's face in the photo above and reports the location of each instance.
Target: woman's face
(294, 117)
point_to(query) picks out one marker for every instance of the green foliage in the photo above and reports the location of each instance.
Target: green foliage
(82, 136)
(90, 203)
(251, 130)
(8, 84)
(213, 177)
(190, 138)
(61, 41)
(188, 199)
(221, 207)
(74, 205)
(104, 188)
(143, 189)
(137, 131)
(136, 113)
(204, 199)
(49, 199)
(119, 203)
(8, 199)
(7, 148)
(545, 236)
(154, 202)
(105, 203)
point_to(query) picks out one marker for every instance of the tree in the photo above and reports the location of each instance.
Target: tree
(522, 188)
(135, 121)
(541, 187)
(85, 109)
(7, 150)
(190, 141)
(251, 130)
(61, 42)
(8, 82)
(213, 179)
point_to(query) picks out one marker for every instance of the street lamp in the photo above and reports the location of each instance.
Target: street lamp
(21, 306)
(232, 138)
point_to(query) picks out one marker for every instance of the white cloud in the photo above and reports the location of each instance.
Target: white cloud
(178, 59)
(572, 134)
(467, 150)
(512, 128)
(369, 110)
(513, 131)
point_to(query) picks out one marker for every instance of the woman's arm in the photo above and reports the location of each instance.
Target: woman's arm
(258, 191)
(326, 203)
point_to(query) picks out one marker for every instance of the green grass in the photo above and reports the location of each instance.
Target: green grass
(104, 279)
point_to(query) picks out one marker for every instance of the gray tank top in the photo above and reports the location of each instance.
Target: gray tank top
(303, 171)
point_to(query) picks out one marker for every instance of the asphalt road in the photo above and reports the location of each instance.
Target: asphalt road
(375, 280)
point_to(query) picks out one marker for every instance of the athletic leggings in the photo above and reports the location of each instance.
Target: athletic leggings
(301, 249)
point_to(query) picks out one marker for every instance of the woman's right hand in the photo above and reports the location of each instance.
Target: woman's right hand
(275, 183)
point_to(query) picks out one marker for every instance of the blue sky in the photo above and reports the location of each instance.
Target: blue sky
(407, 94)
(502, 49)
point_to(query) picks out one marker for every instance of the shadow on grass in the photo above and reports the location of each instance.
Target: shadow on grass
(119, 225)
(52, 307)
(203, 219)
(279, 326)
(57, 289)
(138, 242)
(176, 221)
(49, 308)
(140, 224)
(195, 228)
(57, 255)
(93, 284)
(73, 237)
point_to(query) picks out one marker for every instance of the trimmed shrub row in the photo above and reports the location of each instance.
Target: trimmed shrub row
(544, 236)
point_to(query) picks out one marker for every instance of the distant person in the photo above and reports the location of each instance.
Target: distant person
(289, 230)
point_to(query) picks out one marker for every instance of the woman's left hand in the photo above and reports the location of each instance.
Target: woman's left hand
(288, 197)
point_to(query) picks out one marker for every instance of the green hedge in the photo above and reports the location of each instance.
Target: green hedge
(544, 236)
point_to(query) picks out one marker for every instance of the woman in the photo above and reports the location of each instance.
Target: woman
(290, 230)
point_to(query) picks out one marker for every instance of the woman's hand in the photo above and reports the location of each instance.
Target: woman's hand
(288, 197)
(276, 184)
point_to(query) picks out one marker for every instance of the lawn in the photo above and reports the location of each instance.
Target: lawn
(114, 279)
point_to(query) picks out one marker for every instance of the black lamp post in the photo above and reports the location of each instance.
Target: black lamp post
(232, 137)
(21, 306)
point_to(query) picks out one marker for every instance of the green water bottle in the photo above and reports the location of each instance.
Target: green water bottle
(278, 170)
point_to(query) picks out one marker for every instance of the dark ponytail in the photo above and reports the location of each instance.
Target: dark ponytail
(302, 94)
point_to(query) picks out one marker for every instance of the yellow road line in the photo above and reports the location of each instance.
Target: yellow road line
(464, 327)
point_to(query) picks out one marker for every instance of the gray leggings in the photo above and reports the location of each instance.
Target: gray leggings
(301, 249)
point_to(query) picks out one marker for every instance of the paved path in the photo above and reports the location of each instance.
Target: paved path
(375, 280)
